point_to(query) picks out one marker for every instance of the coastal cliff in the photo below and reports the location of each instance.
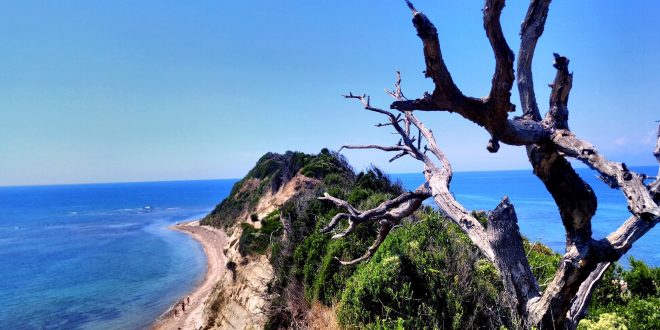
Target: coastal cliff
(280, 272)
(252, 218)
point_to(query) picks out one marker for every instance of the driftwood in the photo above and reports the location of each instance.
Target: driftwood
(548, 141)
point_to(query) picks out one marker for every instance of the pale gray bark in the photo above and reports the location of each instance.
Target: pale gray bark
(549, 142)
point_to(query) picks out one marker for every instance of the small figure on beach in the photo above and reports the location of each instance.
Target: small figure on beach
(183, 306)
(176, 312)
(188, 300)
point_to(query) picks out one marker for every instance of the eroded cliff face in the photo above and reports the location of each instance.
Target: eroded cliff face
(241, 298)
(271, 173)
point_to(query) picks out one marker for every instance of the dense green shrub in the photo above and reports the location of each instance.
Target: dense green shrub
(632, 295)
(543, 260)
(324, 164)
(642, 280)
(376, 180)
(606, 321)
(425, 275)
(256, 241)
(642, 314)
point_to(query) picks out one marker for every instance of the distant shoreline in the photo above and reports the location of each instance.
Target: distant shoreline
(212, 240)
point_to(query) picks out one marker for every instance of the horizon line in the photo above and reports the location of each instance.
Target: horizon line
(581, 166)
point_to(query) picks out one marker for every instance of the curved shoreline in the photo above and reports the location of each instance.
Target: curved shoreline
(212, 241)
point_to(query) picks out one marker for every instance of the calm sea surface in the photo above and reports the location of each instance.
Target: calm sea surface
(101, 257)
(98, 256)
(538, 216)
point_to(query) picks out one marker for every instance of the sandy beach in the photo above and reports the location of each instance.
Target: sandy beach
(212, 241)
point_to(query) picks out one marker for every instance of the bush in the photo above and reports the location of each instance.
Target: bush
(643, 314)
(543, 261)
(324, 164)
(642, 280)
(269, 174)
(384, 287)
(425, 275)
(606, 321)
(256, 241)
(632, 295)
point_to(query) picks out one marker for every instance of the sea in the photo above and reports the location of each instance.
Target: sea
(101, 256)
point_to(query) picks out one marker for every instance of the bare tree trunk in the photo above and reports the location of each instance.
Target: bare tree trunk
(511, 261)
(548, 141)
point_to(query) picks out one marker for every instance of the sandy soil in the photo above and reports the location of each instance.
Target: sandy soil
(212, 240)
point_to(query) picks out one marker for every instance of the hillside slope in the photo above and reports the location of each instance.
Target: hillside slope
(266, 180)
(427, 274)
(251, 216)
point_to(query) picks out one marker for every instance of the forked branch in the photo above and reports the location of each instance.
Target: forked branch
(548, 141)
(387, 214)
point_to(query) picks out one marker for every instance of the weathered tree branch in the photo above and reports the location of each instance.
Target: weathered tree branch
(388, 214)
(548, 142)
(655, 186)
(530, 32)
(583, 296)
(374, 146)
(446, 92)
(500, 92)
(557, 116)
(510, 259)
(585, 259)
(616, 175)
(397, 93)
(577, 205)
(575, 199)
(607, 251)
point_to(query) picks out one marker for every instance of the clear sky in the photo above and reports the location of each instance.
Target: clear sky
(105, 91)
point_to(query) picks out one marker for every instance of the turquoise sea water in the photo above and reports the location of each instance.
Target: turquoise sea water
(101, 257)
(98, 256)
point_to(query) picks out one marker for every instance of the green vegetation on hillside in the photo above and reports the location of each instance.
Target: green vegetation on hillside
(271, 172)
(256, 241)
(627, 299)
(427, 274)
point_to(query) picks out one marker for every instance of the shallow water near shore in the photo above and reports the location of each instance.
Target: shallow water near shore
(101, 256)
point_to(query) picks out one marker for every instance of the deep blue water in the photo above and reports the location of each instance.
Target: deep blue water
(538, 216)
(98, 256)
(101, 257)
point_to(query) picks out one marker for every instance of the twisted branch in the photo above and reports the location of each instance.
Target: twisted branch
(548, 141)
(387, 214)
(616, 175)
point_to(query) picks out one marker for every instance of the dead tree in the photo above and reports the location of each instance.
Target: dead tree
(548, 141)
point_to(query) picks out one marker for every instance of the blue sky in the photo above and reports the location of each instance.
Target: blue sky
(105, 91)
